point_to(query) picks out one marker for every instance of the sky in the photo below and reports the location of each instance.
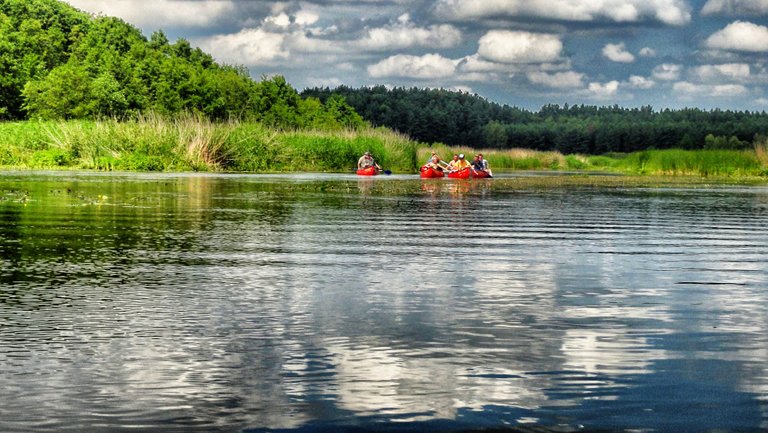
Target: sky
(527, 53)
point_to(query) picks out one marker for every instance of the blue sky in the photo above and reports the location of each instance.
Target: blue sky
(526, 53)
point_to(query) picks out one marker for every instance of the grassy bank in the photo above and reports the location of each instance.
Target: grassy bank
(190, 143)
(674, 162)
(154, 143)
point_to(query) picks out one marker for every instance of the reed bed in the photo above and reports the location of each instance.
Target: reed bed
(761, 150)
(193, 143)
(508, 159)
(696, 163)
(673, 162)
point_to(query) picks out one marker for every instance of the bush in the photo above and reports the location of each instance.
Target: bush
(50, 158)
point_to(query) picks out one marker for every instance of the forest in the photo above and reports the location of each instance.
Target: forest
(59, 63)
(459, 118)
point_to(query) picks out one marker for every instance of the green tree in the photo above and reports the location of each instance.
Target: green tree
(62, 94)
(343, 114)
(106, 96)
(495, 134)
(276, 103)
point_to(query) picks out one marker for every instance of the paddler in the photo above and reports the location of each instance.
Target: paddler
(366, 161)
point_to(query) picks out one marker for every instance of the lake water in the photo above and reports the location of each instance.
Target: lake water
(308, 303)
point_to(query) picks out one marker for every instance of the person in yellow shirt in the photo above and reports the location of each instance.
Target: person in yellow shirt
(460, 163)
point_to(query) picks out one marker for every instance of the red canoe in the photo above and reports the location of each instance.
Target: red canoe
(429, 172)
(368, 171)
(481, 174)
(460, 174)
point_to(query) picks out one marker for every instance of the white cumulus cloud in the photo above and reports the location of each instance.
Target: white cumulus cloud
(723, 72)
(639, 82)
(280, 20)
(735, 7)
(248, 47)
(603, 90)
(618, 53)
(647, 52)
(690, 90)
(558, 80)
(160, 13)
(405, 35)
(423, 67)
(667, 72)
(740, 36)
(306, 18)
(672, 12)
(506, 46)
(474, 63)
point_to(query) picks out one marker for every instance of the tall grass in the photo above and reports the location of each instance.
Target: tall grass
(18, 140)
(335, 151)
(509, 159)
(657, 162)
(761, 150)
(686, 162)
(155, 143)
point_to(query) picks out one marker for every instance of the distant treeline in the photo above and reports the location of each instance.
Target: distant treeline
(59, 63)
(460, 118)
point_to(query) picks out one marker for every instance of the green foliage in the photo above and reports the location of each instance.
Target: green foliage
(62, 94)
(598, 162)
(573, 162)
(495, 134)
(760, 145)
(58, 63)
(50, 158)
(677, 162)
(722, 142)
(35, 37)
(250, 147)
(342, 114)
(461, 119)
(511, 159)
(24, 135)
(192, 142)
(277, 104)
(686, 162)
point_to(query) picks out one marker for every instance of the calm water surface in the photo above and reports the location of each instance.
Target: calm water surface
(330, 303)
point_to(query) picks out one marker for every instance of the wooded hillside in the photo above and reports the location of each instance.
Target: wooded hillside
(58, 62)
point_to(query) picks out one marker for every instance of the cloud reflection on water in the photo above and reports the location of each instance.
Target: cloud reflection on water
(228, 304)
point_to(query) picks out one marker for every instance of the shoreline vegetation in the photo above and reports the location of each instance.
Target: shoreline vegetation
(195, 143)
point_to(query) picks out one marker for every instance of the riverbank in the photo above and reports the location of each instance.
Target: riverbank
(668, 162)
(191, 143)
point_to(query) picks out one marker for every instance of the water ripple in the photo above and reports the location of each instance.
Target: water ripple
(224, 304)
